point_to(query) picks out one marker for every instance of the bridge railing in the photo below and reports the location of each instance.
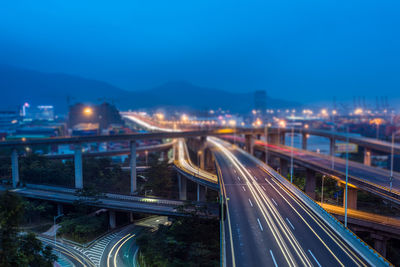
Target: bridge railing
(369, 254)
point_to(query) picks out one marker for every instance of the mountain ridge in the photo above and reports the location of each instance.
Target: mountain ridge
(23, 85)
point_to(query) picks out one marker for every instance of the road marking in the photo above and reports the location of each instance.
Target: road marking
(250, 202)
(238, 178)
(274, 201)
(273, 258)
(263, 188)
(255, 178)
(259, 223)
(314, 258)
(265, 179)
(291, 225)
(244, 189)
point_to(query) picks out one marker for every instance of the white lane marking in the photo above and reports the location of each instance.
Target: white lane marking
(291, 225)
(255, 178)
(274, 201)
(263, 188)
(238, 178)
(259, 223)
(244, 189)
(250, 202)
(265, 179)
(234, 170)
(314, 258)
(273, 258)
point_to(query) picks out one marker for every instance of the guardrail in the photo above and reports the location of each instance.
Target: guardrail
(369, 254)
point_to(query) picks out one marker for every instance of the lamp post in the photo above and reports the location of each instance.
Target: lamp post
(347, 176)
(291, 156)
(333, 147)
(266, 142)
(55, 230)
(322, 191)
(391, 163)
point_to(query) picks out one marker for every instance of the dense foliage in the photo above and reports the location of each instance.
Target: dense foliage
(19, 249)
(189, 241)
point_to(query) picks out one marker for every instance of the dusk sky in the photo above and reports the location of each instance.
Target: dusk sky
(296, 50)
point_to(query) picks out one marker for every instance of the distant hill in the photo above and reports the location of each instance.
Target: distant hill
(22, 85)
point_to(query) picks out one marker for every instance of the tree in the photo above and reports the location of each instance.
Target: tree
(16, 249)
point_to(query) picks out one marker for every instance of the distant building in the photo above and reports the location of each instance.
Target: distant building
(9, 121)
(104, 115)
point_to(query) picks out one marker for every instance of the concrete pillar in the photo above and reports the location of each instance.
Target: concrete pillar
(352, 198)
(284, 167)
(131, 217)
(182, 187)
(310, 183)
(132, 164)
(304, 141)
(249, 143)
(201, 155)
(14, 168)
(112, 220)
(78, 166)
(60, 209)
(282, 138)
(331, 146)
(367, 156)
(380, 244)
(274, 139)
(201, 193)
(175, 151)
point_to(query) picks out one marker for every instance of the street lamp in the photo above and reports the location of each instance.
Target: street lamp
(147, 158)
(291, 156)
(391, 162)
(267, 125)
(322, 191)
(347, 176)
(55, 230)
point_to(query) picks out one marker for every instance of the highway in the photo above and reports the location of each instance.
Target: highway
(357, 171)
(267, 225)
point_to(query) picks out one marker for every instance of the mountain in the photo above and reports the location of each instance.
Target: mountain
(22, 85)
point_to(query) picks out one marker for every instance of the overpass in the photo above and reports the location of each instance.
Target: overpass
(370, 179)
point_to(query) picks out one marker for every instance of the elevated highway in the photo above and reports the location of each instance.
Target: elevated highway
(269, 222)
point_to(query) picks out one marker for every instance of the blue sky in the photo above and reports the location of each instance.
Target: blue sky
(306, 50)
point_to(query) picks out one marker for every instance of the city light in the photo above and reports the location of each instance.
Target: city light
(282, 123)
(88, 111)
(184, 118)
(358, 111)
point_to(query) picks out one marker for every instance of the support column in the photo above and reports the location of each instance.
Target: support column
(14, 168)
(249, 143)
(380, 244)
(304, 141)
(352, 198)
(331, 146)
(133, 167)
(201, 193)
(310, 183)
(201, 154)
(182, 187)
(282, 138)
(175, 151)
(112, 220)
(131, 217)
(60, 209)
(78, 166)
(283, 165)
(274, 139)
(367, 156)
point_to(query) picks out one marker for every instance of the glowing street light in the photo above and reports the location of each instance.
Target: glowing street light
(88, 111)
